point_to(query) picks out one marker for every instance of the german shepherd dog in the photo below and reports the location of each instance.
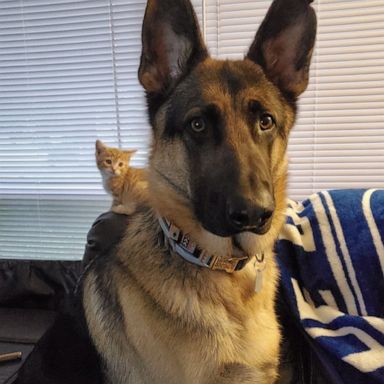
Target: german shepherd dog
(188, 295)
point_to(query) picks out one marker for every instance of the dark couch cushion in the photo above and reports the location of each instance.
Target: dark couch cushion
(20, 329)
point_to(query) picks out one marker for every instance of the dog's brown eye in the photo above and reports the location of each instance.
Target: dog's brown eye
(266, 121)
(120, 164)
(197, 124)
(108, 161)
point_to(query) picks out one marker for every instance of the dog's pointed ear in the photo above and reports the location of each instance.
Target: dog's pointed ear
(284, 43)
(171, 44)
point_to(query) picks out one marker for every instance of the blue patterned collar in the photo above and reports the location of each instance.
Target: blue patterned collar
(184, 246)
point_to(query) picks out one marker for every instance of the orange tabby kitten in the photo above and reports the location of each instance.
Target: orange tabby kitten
(127, 185)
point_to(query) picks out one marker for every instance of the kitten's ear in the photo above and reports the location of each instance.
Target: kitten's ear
(171, 44)
(284, 43)
(100, 147)
(130, 153)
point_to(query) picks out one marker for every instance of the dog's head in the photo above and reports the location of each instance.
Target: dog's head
(220, 127)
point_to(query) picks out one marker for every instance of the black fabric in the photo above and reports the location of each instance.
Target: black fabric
(24, 325)
(20, 329)
(9, 369)
(64, 355)
(37, 284)
(31, 292)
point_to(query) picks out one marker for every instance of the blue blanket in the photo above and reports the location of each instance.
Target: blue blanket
(331, 256)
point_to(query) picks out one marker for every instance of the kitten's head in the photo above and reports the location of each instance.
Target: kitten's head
(112, 161)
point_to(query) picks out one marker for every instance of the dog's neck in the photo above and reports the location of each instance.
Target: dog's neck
(183, 245)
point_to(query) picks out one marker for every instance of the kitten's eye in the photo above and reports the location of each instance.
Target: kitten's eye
(266, 122)
(197, 124)
(121, 164)
(108, 161)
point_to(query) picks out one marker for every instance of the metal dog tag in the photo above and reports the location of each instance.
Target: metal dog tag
(259, 281)
(259, 267)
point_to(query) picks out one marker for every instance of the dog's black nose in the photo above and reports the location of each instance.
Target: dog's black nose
(245, 216)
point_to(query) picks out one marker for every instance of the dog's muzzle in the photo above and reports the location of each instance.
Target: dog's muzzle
(242, 215)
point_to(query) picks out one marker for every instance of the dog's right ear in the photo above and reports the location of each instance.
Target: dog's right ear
(171, 44)
(283, 44)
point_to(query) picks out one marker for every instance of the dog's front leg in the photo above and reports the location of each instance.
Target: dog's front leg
(243, 374)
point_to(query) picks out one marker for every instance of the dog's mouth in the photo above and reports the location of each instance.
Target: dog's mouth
(223, 230)
(236, 246)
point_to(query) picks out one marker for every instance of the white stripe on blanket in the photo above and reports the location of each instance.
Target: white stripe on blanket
(333, 258)
(345, 252)
(291, 232)
(366, 361)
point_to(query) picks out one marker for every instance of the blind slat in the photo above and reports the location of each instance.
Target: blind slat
(68, 70)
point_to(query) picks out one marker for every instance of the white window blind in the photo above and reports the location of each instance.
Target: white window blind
(338, 140)
(68, 75)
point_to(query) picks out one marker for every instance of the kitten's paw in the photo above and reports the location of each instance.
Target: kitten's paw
(124, 209)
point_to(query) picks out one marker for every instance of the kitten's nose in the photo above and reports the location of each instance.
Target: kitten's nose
(116, 172)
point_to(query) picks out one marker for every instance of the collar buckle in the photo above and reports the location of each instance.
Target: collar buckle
(229, 265)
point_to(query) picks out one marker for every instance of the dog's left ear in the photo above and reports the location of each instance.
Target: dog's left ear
(172, 44)
(284, 43)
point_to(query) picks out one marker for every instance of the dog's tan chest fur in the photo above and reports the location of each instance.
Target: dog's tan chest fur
(171, 355)
(192, 324)
(181, 323)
